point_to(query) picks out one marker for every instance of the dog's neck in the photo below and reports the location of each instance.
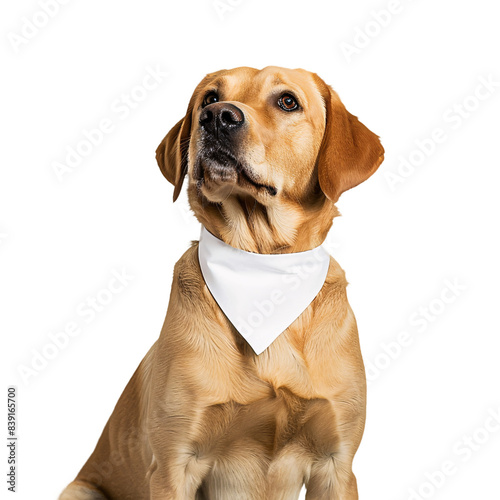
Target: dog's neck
(238, 280)
(286, 227)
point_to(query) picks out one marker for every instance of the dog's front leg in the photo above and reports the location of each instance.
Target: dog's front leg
(330, 476)
(178, 469)
(176, 429)
(331, 479)
(176, 483)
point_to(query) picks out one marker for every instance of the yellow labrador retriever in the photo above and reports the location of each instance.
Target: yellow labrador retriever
(266, 154)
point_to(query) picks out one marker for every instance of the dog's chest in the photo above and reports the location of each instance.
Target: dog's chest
(291, 413)
(259, 432)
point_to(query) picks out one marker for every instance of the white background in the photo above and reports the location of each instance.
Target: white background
(60, 241)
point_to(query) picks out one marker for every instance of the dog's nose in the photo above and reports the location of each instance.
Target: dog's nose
(222, 116)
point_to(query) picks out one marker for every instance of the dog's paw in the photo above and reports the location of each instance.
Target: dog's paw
(78, 490)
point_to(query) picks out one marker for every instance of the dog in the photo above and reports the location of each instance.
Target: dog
(266, 155)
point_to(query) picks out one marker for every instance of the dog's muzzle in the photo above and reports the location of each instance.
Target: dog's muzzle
(221, 119)
(219, 157)
(220, 124)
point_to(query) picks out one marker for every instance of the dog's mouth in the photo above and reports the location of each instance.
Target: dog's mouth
(221, 166)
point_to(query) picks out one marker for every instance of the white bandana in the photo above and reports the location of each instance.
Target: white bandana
(261, 294)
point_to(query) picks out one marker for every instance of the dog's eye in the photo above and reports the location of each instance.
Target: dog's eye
(288, 103)
(210, 98)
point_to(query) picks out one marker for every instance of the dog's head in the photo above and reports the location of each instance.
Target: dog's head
(267, 154)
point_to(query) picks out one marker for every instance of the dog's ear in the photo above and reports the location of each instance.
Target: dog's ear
(349, 152)
(172, 153)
